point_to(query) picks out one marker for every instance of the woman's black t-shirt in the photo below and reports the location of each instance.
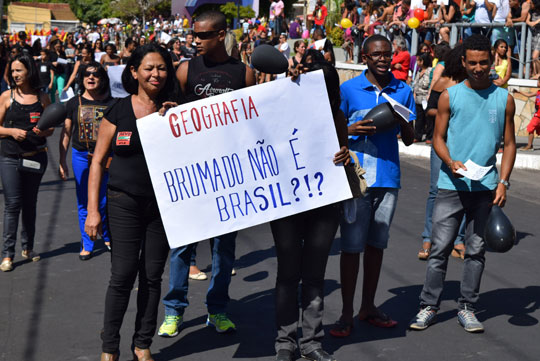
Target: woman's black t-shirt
(128, 171)
(25, 117)
(59, 69)
(88, 114)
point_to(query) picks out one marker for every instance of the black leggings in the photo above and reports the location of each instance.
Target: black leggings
(139, 247)
(303, 242)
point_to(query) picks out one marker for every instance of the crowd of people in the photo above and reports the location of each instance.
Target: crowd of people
(116, 200)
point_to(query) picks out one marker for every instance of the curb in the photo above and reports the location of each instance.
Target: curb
(523, 161)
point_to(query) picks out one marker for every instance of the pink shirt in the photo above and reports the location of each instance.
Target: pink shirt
(278, 8)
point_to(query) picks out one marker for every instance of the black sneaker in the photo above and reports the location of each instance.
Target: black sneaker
(284, 355)
(318, 355)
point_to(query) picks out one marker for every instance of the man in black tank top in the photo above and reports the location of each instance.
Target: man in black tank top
(211, 73)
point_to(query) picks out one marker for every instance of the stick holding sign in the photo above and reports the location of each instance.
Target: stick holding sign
(236, 160)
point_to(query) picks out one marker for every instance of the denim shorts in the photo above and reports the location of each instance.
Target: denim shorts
(371, 225)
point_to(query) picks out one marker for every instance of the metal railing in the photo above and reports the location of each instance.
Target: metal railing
(525, 51)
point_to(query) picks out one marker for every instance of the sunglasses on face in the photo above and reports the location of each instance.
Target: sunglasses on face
(205, 35)
(91, 73)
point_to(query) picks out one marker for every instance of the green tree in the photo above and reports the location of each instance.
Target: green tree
(231, 11)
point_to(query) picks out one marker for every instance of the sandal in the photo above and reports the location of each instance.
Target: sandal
(379, 320)
(341, 329)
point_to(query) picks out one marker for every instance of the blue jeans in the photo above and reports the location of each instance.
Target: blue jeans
(435, 165)
(80, 164)
(217, 297)
(448, 212)
(20, 196)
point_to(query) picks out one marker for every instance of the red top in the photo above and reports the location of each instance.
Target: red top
(320, 15)
(403, 58)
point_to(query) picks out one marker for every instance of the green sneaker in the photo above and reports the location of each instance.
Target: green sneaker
(170, 326)
(221, 322)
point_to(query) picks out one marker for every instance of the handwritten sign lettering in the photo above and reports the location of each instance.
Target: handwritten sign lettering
(243, 158)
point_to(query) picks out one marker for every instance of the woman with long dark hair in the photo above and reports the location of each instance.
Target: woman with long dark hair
(23, 157)
(84, 114)
(138, 241)
(59, 61)
(85, 57)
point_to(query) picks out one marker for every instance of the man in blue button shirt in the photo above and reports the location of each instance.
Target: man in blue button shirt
(366, 224)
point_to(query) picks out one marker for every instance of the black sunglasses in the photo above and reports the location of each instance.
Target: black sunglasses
(205, 35)
(89, 73)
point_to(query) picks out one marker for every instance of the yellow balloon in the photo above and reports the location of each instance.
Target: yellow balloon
(346, 23)
(413, 23)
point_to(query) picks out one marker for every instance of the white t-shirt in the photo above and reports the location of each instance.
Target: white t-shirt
(503, 8)
(481, 14)
(284, 49)
(93, 36)
(417, 4)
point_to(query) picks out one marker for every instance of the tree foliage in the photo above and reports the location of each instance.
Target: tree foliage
(231, 11)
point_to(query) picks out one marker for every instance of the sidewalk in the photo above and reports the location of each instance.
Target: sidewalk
(524, 159)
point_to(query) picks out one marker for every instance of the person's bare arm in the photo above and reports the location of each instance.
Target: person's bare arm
(437, 73)
(525, 93)
(93, 225)
(509, 152)
(250, 77)
(73, 75)
(340, 123)
(181, 75)
(439, 133)
(490, 7)
(65, 139)
(52, 80)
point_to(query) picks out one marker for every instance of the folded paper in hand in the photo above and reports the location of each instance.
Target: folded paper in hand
(400, 109)
(474, 171)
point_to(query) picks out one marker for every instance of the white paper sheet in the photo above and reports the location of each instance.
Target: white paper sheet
(474, 171)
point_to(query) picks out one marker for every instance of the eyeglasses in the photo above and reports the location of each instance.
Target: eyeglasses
(87, 73)
(205, 35)
(380, 55)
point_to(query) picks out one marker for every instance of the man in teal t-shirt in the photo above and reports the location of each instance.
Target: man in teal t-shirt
(472, 118)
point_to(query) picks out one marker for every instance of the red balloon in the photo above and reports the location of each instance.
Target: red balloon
(419, 14)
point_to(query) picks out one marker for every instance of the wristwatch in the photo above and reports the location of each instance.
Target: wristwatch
(505, 183)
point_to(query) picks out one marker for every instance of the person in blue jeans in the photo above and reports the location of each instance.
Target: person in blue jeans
(227, 74)
(453, 74)
(84, 114)
(217, 297)
(474, 106)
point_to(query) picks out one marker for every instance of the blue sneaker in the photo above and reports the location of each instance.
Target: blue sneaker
(468, 320)
(423, 319)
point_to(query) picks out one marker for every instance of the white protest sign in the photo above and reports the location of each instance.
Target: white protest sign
(165, 38)
(115, 81)
(243, 158)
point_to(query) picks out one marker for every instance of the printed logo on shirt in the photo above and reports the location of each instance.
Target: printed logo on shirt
(123, 138)
(34, 117)
(493, 116)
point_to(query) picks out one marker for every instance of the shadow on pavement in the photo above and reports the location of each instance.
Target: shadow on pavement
(518, 303)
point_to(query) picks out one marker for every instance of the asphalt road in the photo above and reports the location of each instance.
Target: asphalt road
(53, 309)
